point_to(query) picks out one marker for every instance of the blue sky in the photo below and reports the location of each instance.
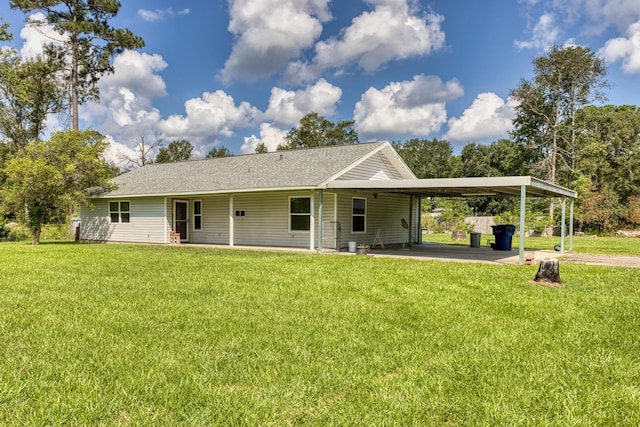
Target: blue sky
(235, 73)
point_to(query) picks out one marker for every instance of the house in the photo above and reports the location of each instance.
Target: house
(280, 198)
(320, 198)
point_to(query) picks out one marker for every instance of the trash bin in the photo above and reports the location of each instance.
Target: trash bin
(476, 238)
(503, 234)
(352, 247)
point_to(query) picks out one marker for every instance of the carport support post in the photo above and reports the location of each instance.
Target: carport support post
(523, 205)
(563, 225)
(571, 225)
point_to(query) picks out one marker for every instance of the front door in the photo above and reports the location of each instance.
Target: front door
(180, 219)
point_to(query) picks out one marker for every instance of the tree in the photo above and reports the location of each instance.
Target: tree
(429, 159)
(30, 90)
(566, 79)
(176, 151)
(44, 178)
(88, 41)
(5, 35)
(316, 131)
(610, 141)
(261, 148)
(219, 152)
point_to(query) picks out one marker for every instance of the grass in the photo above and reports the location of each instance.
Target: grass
(586, 245)
(144, 335)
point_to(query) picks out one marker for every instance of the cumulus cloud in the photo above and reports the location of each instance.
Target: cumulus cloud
(487, 117)
(593, 17)
(270, 136)
(36, 35)
(208, 117)
(545, 34)
(288, 107)
(157, 15)
(401, 108)
(270, 33)
(625, 49)
(125, 109)
(391, 31)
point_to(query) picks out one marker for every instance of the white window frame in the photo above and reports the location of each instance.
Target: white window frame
(353, 215)
(300, 214)
(197, 215)
(119, 212)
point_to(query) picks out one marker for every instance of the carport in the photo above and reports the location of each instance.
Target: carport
(509, 186)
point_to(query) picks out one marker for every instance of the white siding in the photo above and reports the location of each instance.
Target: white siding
(215, 220)
(384, 213)
(266, 220)
(377, 167)
(147, 224)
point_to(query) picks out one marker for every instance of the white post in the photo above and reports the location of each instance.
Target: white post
(571, 225)
(523, 206)
(320, 203)
(563, 232)
(312, 226)
(231, 226)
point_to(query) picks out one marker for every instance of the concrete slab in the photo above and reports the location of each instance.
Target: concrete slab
(442, 252)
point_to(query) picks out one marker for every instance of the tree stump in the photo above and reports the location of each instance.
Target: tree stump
(548, 271)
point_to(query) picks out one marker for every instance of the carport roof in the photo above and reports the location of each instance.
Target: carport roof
(461, 187)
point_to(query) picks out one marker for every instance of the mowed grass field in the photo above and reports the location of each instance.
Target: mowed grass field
(158, 335)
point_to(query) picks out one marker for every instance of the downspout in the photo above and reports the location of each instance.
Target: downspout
(523, 205)
(231, 225)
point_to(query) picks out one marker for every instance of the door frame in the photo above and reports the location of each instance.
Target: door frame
(183, 239)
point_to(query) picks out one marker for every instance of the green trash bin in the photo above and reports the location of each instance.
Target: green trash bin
(476, 238)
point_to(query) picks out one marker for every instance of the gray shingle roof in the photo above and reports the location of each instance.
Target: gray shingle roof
(306, 168)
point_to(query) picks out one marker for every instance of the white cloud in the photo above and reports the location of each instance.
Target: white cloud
(270, 136)
(545, 34)
(208, 117)
(487, 117)
(36, 35)
(288, 107)
(626, 49)
(270, 33)
(390, 32)
(125, 109)
(157, 15)
(401, 108)
(119, 154)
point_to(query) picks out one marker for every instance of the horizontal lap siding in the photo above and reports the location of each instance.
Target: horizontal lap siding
(384, 213)
(266, 220)
(215, 220)
(147, 225)
(375, 167)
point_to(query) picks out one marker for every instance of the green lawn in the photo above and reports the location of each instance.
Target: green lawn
(159, 335)
(587, 245)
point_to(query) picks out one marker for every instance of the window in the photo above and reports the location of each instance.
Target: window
(119, 212)
(197, 215)
(359, 215)
(300, 213)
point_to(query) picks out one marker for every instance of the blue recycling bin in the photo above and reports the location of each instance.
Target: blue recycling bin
(503, 235)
